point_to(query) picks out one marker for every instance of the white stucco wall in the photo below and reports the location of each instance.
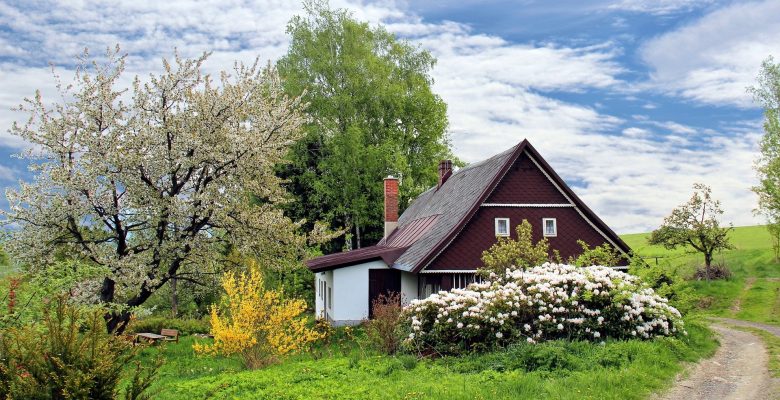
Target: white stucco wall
(350, 292)
(408, 287)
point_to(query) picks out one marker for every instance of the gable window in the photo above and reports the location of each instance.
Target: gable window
(502, 227)
(550, 227)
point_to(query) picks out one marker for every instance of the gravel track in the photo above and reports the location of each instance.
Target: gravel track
(737, 371)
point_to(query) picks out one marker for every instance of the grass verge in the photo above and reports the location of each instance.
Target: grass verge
(562, 370)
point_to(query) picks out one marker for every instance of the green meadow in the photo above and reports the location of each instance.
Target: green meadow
(753, 291)
(346, 368)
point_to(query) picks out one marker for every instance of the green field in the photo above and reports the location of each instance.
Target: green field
(753, 293)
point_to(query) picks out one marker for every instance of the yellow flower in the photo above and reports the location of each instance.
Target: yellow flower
(257, 323)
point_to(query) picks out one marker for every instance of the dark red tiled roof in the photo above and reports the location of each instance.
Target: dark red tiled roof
(347, 258)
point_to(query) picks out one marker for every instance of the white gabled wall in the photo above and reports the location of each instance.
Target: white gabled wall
(350, 292)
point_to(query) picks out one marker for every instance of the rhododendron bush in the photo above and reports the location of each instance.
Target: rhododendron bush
(551, 301)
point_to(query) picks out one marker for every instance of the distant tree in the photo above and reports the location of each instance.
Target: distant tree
(511, 253)
(156, 184)
(767, 93)
(372, 113)
(695, 224)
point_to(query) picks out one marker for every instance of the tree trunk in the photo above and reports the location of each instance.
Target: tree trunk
(174, 298)
(357, 234)
(116, 321)
(707, 264)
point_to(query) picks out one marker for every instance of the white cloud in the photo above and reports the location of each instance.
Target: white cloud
(658, 7)
(713, 59)
(498, 93)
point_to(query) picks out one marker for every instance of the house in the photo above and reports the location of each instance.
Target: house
(438, 241)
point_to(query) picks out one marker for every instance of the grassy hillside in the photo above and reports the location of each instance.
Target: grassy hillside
(753, 293)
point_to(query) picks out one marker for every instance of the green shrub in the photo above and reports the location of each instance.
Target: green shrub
(69, 355)
(155, 324)
(667, 281)
(409, 362)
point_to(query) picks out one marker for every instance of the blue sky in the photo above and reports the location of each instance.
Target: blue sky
(631, 101)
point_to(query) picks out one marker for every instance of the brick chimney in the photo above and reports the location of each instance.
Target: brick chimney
(391, 204)
(445, 170)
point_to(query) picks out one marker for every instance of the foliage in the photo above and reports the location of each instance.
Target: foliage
(667, 282)
(29, 294)
(767, 94)
(695, 224)
(774, 233)
(603, 254)
(142, 380)
(68, 355)
(372, 113)
(515, 253)
(158, 186)
(382, 328)
(755, 283)
(4, 259)
(257, 323)
(155, 324)
(552, 301)
(620, 369)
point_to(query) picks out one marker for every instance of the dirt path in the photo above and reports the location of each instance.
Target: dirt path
(775, 330)
(737, 306)
(738, 370)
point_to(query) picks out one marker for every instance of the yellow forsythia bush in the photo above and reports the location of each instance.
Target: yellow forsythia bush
(259, 324)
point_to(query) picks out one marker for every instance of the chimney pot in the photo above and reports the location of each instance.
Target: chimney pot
(391, 204)
(445, 170)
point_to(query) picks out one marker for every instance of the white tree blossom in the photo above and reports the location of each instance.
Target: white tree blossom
(149, 179)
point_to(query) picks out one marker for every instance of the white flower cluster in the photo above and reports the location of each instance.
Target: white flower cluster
(551, 301)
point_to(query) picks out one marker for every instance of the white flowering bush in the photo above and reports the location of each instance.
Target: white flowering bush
(551, 301)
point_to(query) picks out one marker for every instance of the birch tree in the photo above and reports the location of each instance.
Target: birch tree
(372, 113)
(154, 181)
(767, 94)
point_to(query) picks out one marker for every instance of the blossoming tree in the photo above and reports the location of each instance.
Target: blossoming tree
(155, 179)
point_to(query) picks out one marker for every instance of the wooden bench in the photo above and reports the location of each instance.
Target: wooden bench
(171, 335)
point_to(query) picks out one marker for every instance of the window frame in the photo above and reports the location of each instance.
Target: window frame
(495, 227)
(544, 227)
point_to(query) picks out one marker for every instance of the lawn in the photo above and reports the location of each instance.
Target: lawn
(561, 370)
(753, 292)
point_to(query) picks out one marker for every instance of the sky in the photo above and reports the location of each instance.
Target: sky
(630, 101)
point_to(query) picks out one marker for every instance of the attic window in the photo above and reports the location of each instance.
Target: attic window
(550, 227)
(502, 227)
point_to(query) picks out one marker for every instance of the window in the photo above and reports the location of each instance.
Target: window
(461, 281)
(330, 298)
(550, 227)
(502, 227)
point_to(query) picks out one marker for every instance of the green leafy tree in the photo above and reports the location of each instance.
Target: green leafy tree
(695, 224)
(603, 254)
(372, 113)
(511, 253)
(767, 93)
